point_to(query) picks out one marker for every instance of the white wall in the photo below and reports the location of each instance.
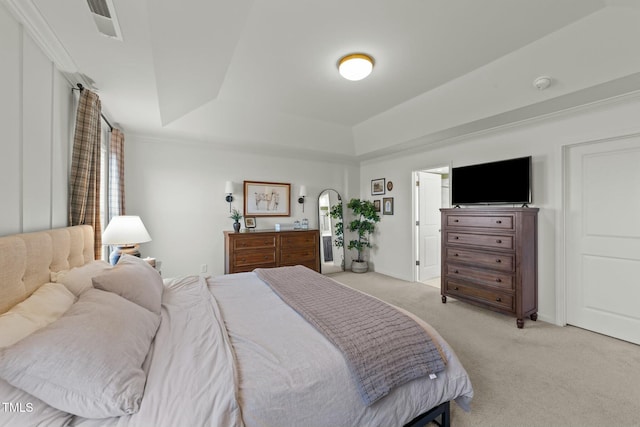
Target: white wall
(177, 188)
(35, 107)
(542, 138)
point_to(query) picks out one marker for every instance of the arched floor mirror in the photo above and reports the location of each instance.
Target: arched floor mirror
(331, 231)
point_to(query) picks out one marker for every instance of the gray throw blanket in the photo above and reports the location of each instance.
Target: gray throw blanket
(383, 347)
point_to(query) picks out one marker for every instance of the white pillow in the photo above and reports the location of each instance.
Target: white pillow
(136, 281)
(46, 305)
(22, 409)
(88, 362)
(78, 279)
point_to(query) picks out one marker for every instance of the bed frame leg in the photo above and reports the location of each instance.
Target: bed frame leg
(442, 411)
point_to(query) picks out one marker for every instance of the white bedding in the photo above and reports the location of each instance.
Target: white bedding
(190, 367)
(290, 375)
(230, 353)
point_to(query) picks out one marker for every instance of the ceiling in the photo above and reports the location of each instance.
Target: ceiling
(262, 74)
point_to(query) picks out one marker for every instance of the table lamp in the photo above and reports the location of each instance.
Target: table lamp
(125, 232)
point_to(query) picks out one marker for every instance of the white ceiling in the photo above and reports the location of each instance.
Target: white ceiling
(263, 74)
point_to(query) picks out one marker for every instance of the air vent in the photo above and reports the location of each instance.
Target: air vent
(104, 15)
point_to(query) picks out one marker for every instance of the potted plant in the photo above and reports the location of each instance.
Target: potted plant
(365, 218)
(236, 216)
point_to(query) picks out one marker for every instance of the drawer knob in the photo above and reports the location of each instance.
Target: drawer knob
(455, 254)
(498, 241)
(499, 280)
(498, 222)
(498, 299)
(498, 260)
(455, 289)
(455, 271)
(266, 257)
(456, 237)
(455, 220)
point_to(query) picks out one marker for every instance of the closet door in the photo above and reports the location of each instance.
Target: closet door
(603, 237)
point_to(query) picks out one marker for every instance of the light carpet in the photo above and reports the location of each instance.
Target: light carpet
(542, 375)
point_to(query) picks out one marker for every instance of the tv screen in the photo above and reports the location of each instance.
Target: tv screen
(502, 182)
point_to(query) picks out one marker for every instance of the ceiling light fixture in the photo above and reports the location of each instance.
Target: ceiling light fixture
(355, 66)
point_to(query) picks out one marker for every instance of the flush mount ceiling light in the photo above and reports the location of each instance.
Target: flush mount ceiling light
(355, 66)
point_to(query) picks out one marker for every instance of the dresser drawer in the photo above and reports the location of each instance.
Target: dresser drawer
(484, 276)
(254, 257)
(254, 242)
(480, 294)
(503, 262)
(488, 240)
(306, 240)
(499, 222)
(298, 256)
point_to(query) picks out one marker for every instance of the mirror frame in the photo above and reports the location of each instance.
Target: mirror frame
(336, 250)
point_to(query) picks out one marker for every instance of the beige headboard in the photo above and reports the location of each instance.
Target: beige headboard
(27, 260)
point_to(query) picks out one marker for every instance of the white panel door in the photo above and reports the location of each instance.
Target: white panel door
(429, 215)
(603, 238)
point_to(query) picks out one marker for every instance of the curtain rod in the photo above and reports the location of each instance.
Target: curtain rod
(81, 88)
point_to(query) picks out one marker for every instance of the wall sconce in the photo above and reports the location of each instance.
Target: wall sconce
(303, 194)
(228, 189)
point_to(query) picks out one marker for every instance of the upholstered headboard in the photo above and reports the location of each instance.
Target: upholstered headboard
(27, 260)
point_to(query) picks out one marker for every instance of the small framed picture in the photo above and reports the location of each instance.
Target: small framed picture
(387, 206)
(376, 205)
(249, 222)
(377, 186)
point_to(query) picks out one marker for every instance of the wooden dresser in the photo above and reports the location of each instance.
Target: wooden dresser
(247, 250)
(489, 258)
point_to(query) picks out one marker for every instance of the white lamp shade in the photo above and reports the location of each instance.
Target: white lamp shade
(355, 67)
(125, 230)
(228, 187)
(303, 191)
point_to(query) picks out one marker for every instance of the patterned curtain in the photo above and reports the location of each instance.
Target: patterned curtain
(116, 174)
(84, 182)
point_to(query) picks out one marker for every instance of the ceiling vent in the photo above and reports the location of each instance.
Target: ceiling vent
(104, 15)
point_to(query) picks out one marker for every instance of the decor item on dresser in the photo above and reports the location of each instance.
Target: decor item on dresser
(365, 218)
(126, 232)
(236, 216)
(377, 186)
(194, 346)
(267, 198)
(249, 222)
(489, 258)
(268, 248)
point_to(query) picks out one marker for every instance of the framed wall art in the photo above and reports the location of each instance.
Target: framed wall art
(377, 186)
(267, 198)
(376, 205)
(387, 206)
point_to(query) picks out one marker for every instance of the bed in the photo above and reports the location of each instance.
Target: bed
(187, 351)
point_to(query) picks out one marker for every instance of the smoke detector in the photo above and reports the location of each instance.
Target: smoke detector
(104, 15)
(542, 82)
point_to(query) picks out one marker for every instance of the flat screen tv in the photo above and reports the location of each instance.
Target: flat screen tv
(501, 182)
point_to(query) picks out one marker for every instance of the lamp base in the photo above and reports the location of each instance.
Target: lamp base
(124, 249)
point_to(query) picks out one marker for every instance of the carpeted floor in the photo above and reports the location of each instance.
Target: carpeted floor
(542, 375)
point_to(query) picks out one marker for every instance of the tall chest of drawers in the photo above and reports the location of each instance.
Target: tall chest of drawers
(267, 248)
(489, 258)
